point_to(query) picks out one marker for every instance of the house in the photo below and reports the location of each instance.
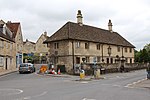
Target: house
(7, 48)
(15, 28)
(29, 47)
(75, 43)
(42, 49)
(28, 51)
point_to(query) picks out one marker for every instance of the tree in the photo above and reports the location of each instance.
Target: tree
(143, 55)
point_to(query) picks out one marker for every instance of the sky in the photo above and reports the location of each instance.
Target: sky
(130, 18)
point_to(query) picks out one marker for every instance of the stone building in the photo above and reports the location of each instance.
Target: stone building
(74, 43)
(41, 49)
(7, 48)
(29, 47)
(15, 28)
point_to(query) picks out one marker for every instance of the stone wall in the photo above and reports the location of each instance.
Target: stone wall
(111, 68)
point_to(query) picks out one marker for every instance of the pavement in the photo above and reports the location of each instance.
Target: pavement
(145, 83)
(5, 72)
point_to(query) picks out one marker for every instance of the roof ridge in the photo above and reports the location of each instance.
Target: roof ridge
(89, 26)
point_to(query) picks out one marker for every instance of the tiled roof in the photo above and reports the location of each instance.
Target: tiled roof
(88, 33)
(13, 28)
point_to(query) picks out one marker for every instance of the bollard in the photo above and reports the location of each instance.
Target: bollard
(82, 74)
(97, 73)
(148, 74)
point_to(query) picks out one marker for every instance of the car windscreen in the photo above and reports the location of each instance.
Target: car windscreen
(23, 65)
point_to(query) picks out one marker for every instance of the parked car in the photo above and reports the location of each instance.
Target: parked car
(26, 67)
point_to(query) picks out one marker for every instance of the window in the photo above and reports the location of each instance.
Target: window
(107, 60)
(48, 44)
(126, 50)
(109, 50)
(130, 60)
(86, 45)
(87, 59)
(1, 61)
(56, 45)
(77, 44)
(1, 43)
(130, 50)
(111, 60)
(10, 60)
(98, 59)
(77, 60)
(118, 48)
(34, 48)
(98, 46)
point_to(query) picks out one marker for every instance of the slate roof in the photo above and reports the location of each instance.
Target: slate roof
(13, 28)
(6, 36)
(88, 33)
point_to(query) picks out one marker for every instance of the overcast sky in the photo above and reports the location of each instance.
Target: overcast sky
(130, 18)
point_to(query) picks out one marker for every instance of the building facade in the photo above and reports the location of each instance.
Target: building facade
(41, 55)
(74, 43)
(15, 28)
(40, 47)
(29, 47)
(7, 48)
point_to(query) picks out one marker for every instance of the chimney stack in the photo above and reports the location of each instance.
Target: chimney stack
(79, 18)
(110, 26)
(45, 33)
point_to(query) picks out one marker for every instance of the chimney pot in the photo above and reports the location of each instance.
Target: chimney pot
(79, 18)
(110, 26)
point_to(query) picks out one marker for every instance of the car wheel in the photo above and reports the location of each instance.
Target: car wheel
(31, 71)
(20, 72)
(34, 69)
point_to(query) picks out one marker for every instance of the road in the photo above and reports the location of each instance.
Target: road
(32, 86)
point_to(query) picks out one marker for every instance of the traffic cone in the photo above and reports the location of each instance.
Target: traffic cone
(53, 71)
(58, 71)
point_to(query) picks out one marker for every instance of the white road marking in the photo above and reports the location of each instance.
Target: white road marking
(35, 96)
(84, 82)
(12, 91)
(41, 94)
(88, 99)
(106, 84)
(129, 85)
(117, 85)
